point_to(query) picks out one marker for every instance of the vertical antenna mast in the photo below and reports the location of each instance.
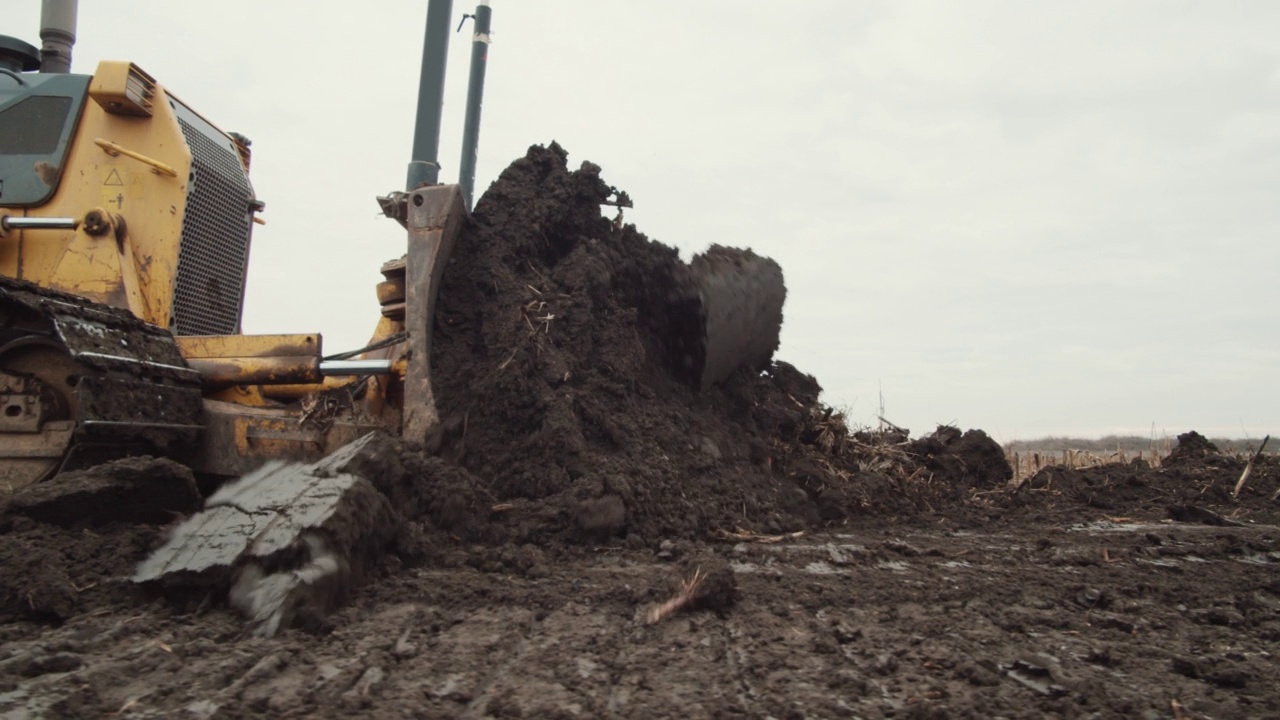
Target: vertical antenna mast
(475, 94)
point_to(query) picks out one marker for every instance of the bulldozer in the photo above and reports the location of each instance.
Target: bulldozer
(126, 220)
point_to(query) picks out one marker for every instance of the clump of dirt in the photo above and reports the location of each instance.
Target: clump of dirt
(1193, 449)
(706, 583)
(1195, 483)
(137, 489)
(962, 461)
(716, 587)
(71, 542)
(52, 573)
(561, 346)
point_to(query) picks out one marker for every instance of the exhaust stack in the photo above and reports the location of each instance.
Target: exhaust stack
(57, 35)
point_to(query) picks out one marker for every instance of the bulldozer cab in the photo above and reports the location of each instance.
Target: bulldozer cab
(38, 116)
(116, 191)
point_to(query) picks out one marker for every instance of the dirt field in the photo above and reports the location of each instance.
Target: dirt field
(1038, 604)
(581, 483)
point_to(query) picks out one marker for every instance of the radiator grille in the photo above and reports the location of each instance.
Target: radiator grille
(214, 253)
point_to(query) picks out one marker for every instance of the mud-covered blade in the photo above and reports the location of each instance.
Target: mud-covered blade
(742, 296)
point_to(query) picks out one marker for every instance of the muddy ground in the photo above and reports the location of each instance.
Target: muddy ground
(1079, 596)
(583, 480)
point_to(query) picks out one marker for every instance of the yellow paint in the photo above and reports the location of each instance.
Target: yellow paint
(241, 395)
(122, 88)
(115, 150)
(135, 272)
(249, 346)
(129, 159)
(287, 369)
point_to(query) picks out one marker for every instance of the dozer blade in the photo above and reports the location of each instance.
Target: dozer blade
(741, 314)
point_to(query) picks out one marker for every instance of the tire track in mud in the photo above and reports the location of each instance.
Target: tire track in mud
(530, 679)
(899, 626)
(441, 660)
(678, 667)
(737, 657)
(786, 661)
(552, 654)
(1056, 625)
(502, 666)
(869, 625)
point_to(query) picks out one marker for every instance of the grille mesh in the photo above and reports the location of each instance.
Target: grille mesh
(214, 252)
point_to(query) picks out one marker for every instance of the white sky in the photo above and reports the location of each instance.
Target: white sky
(1029, 217)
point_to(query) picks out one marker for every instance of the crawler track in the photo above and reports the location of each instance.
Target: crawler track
(86, 383)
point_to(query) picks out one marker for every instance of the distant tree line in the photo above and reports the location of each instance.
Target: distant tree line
(1127, 443)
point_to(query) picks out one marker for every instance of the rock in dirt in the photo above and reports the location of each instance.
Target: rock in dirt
(364, 687)
(404, 649)
(287, 540)
(1040, 673)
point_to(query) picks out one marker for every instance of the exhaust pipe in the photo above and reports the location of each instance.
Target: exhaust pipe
(57, 34)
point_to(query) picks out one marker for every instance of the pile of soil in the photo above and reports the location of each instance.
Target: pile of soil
(558, 356)
(1195, 483)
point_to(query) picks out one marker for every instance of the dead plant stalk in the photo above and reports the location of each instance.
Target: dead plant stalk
(1248, 470)
(688, 591)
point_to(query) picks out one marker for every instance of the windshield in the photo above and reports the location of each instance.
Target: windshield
(38, 115)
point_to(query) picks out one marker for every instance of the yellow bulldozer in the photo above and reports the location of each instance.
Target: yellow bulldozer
(125, 225)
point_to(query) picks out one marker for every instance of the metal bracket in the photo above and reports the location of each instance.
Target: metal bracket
(394, 205)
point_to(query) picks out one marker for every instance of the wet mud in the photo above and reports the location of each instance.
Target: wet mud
(582, 482)
(1050, 607)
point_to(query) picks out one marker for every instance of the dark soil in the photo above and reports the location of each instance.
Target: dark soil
(1051, 608)
(69, 544)
(580, 482)
(563, 339)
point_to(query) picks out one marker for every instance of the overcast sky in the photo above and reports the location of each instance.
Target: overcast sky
(1029, 217)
